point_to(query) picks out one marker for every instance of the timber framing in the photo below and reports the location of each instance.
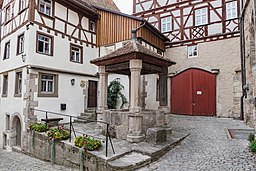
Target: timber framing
(183, 25)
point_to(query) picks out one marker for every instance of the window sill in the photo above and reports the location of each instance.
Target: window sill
(77, 62)
(44, 53)
(46, 15)
(4, 95)
(17, 95)
(47, 95)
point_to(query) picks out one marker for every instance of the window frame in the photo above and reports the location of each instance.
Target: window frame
(5, 85)
(21, 8)
(51, 43)
(55, 86)
(7, 51)
(9, 16)
(236, 10)
(18, 84)
(92, 29)
(19, 45)
(157, 89)
(167, 22)
(45, 4)
(190, 46)
(201, 16)
(81, 53)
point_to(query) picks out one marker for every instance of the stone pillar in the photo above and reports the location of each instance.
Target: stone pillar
(135, 68)
(163, 87)
(103, 87)
(162, 116)
(135, 118)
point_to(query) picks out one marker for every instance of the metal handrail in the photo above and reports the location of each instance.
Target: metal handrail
(71, 127)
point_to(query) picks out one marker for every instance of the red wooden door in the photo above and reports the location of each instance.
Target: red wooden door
(181, 94)
(204, 93)
(92, 94)
(193, 92)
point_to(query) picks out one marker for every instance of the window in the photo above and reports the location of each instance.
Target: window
(166, 24)
(76, 54)
(48, 85)
(18, 84)
(44, 44)
(192, 51)
(201, 16)
(231, 10)
(92, 26)
(45, 6)
(8, 122)
(5, 86)
(157, 90)
(8, 14)
(22, 4)
(20, 44)
(7, 50)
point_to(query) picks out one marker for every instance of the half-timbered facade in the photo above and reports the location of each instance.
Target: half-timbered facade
(204, 41)
(46, 48)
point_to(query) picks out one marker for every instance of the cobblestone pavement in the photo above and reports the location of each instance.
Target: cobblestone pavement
(12, 161)
(207, 148)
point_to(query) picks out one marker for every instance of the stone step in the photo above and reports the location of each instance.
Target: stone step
(91, 117)
(90, 110)
(87, 114)
(130, 161)
(81, 121)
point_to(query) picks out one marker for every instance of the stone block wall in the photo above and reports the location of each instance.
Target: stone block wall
(250, 63)
(39, 146)
(119, 121)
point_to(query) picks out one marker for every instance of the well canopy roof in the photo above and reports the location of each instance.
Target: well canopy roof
(133, 50)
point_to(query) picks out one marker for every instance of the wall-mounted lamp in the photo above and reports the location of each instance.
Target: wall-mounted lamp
(72, 81)
(215, 71)
(23, 57)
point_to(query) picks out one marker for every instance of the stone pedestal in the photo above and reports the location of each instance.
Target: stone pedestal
(134, 128)
(156, 135)
(166, 111)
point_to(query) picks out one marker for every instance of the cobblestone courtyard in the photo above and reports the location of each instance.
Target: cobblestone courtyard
(207, 148)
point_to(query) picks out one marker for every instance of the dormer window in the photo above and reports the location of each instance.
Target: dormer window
(45, 7)
(22, 4)
(8, 14)
(201, 16)
(92, 26)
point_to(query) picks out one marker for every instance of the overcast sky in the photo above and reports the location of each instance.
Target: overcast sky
(125, 6)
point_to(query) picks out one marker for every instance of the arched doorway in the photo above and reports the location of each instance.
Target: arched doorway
(16, 128)
(193, 92)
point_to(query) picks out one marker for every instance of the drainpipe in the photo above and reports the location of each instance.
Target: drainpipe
(243, 74)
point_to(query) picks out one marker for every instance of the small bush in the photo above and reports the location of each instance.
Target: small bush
(89, 143)
(58, 133)
(39, 127)
(251, 137)
(252, 146)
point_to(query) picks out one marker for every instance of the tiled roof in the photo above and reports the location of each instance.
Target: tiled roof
(108, 4)
(131, 48)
